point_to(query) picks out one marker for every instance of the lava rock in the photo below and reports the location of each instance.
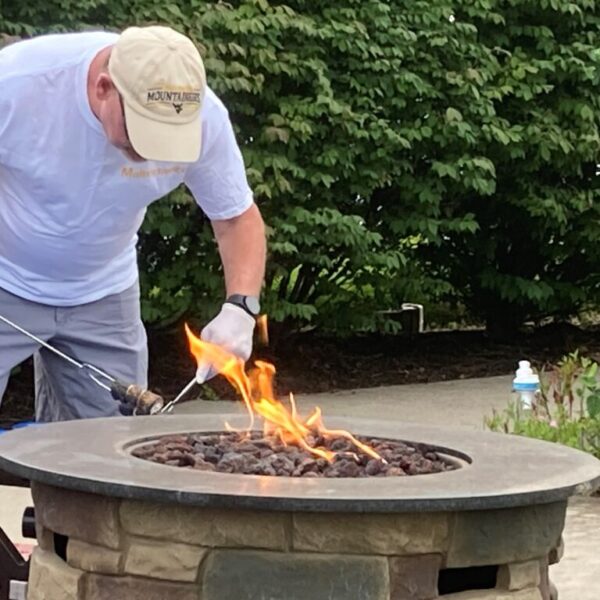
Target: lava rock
(255, 453)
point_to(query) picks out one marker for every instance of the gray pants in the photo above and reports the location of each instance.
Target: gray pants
(108, 334)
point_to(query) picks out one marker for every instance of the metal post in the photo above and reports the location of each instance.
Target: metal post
(13, 567)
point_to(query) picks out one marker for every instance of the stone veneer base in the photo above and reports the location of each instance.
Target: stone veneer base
(132, 549)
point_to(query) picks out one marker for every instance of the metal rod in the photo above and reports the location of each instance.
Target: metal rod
(41, 342)
(98, 372)
(169, 406)
(64, 356)
(98, 382)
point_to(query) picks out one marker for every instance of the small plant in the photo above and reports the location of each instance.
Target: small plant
(567, 410)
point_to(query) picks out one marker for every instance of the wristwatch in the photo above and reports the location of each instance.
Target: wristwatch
(249, 303)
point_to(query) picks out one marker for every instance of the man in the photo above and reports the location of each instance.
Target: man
(93, 128)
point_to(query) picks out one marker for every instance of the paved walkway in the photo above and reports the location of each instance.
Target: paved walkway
(461, 403)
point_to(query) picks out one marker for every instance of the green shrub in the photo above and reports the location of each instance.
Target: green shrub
(536, 249)
(422, 150)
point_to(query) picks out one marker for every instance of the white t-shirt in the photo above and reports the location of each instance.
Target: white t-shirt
(71, 203)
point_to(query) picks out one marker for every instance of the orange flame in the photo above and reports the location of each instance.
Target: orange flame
(256, 389)
(262, 328)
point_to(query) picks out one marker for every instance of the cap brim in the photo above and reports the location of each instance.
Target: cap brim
(154, 140)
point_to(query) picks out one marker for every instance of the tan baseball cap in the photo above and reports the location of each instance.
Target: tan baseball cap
(160, 76)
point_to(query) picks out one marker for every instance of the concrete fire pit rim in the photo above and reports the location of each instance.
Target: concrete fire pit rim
(507, 471)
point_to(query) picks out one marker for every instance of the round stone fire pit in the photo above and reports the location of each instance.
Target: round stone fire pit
(112, 526)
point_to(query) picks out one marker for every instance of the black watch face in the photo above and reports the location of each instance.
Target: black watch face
(252, 304)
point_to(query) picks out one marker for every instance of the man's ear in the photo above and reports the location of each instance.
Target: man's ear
(104, 86)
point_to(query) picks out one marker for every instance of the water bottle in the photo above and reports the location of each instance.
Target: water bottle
(526, 385)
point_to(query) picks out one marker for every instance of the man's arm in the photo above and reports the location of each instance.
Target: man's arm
(243, 249)
(242, 246)
(219, 185)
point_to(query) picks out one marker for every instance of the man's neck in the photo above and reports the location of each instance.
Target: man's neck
(98, 64)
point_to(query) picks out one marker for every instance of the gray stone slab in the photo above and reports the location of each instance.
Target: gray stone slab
(247, 575)
(518, 534)
(94, 456)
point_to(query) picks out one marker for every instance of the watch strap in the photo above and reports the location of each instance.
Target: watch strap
(248, 303)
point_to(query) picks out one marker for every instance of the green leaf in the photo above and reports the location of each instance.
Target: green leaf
(593, 405)
(453, 115)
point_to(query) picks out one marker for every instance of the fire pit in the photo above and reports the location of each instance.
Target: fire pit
(111, 525)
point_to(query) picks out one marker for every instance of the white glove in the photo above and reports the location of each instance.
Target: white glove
(233, 330)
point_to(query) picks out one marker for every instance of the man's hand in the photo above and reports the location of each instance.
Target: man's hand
(232, 329)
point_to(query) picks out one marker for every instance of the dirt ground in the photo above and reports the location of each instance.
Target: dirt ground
(311, 363)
